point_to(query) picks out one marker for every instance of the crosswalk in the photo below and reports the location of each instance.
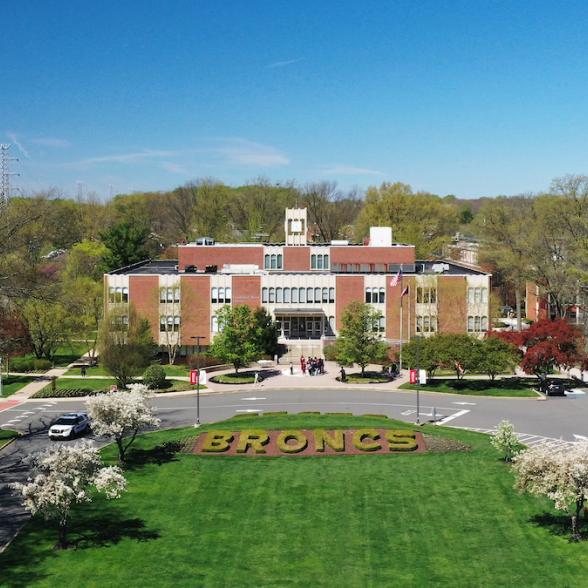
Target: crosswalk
(550, 443)
(17, 415)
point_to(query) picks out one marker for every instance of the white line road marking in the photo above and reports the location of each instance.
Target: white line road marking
(253, 398)
(249, 410)
(465, 403)
(452, 416)
(408, 412)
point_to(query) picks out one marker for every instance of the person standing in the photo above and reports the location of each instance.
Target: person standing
(303, 365)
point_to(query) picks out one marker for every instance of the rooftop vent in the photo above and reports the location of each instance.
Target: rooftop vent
(205, 241)
(191, 269)
(439, 268)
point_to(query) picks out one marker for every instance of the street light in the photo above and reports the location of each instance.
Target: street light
(1, 378)
(197, 337)
(418, 382)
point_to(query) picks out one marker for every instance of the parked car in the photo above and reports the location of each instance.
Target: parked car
(69, 426)
(552, 387)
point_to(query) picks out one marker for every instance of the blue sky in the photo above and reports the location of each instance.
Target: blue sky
(470, 98)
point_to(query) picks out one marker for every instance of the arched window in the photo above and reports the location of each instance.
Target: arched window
(326, 262)
(331, 295)
(264, 295)
(484, 323)
(294, 294)
(368, 295)
(221, 294)
(228, 295)
(302, 295)
(272, 295)
(325, 295)
(313, 261)
(382, 296)
(274, 261)
(176, 294)
(214, 295)
(286, 294)
(119, 294)
(176, 323)
(280, 261)
(309, 295)
(279, 295)
(319, 262)
(162, 324)
(214, 324)
(317, 295)
(170, 295)
(266, 261)
(470, 323)
(125, 294)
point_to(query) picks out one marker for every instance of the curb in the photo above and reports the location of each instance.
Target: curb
(9, 442)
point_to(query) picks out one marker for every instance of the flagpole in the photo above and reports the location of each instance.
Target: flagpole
(401, 321)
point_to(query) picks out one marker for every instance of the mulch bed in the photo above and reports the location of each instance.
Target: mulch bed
(442, 444)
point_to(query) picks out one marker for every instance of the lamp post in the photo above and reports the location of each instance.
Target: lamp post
(197, 337)
(1, 392)
(418, 382)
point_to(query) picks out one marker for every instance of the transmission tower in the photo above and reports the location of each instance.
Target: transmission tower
(5, 172)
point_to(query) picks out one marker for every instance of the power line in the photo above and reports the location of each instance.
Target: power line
(5, 172)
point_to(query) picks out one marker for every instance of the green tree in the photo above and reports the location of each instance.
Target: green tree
(126, 345)
(86, 260)
(422, 353)
(239, 339)
(496, 356)
(268, 332)
(49, 325)
(359, 339)
(127, 244)
(422, 219)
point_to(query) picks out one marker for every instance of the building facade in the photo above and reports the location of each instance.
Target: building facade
(305, 286)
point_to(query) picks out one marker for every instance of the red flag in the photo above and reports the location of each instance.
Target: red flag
(396, 279)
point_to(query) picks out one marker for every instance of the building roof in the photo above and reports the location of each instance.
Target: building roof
(170, 267)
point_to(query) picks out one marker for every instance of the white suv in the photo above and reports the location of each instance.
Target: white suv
(69, 425)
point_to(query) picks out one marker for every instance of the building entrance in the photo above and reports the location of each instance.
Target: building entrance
(300, 327)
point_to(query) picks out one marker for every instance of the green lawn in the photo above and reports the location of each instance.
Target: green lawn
(506, 387)
(434, 519)
(12, 384)
(6, 435)
(170, 371)
(66, 354)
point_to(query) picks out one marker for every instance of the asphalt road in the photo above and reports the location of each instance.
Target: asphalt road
(556, 418)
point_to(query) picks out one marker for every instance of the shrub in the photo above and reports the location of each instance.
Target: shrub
(154, 377)
(276, 413)
(21, 364)
(298, 436)
(375, 416)
(204, 360)
(41, 365)
(372, 443)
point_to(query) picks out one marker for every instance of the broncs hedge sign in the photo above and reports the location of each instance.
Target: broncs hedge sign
(301, 442)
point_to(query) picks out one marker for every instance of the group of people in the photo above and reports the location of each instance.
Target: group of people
(314, 365)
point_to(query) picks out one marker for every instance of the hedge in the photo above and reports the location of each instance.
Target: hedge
(26, 364)
(300, 445)
(48, 392)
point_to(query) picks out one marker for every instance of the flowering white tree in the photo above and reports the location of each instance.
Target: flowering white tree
(560, 475)
(505, 440)
(121, 414)
(62, 476)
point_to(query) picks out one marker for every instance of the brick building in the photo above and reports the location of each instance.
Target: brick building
(304, 285)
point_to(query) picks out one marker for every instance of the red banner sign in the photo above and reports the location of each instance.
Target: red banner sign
(193, 377)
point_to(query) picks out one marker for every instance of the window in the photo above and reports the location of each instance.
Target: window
(264, 295)
(317, 295)
(294, 294)
(470, 295)
(426, 324)
(309, 295)
(477, 295)
(176, 324)
(325, 295)
(111, 295)
(477, 324)
(279, 295)
(375, 295)
(368, 295)
(169, 324)
(162, 323)
(287, 295)
(228, 294)
(125, 294)
(382, 296)
(272, 295)
(176, 294)
(170, 295)
(280, 262)
(331, 295)
(319, 261)
(273, 261)
(266, 261)
(302, 295)
(426, 295)
(221, 294)
(214, 324)
(485, 295)
(382, 324)
(214, 295)
(119, 295)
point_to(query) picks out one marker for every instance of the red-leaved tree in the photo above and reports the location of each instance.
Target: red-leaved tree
(547, 345)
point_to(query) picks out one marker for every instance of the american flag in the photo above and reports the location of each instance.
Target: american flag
(404, 292)
(396, 279)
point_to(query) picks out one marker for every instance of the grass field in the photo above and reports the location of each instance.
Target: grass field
(433, 519)
(12, 384)
(66, 354)
(170, 370)
(6, 435)
(505, 387)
